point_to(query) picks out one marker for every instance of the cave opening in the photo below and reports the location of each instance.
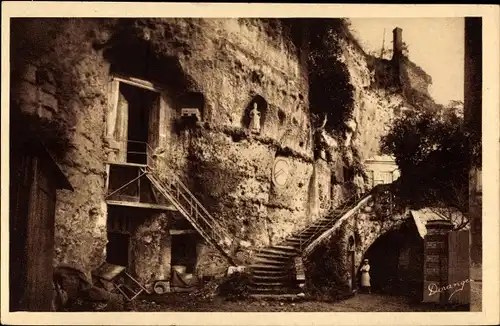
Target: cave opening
(184, 252)
(140, 104)
(395, 260)
(383, 257)
(117, 249)
(119, 229)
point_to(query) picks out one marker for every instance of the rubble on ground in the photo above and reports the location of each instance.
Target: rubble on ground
(233, 286)
(73, 291)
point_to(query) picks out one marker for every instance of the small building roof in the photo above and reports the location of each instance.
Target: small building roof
(32, 143)
(381, 158)
(422, 216)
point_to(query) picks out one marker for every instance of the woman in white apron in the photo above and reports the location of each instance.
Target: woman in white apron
(365, 277)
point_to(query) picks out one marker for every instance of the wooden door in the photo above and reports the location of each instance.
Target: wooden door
(121, 130)
(35, 177)
(21, 177)
(32, 236)
(40, 239)
(458, 267)
(153, 127)
(352, 265)
(117, 122)
(435, 263)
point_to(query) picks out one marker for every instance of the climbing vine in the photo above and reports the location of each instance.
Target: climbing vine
(330, 92)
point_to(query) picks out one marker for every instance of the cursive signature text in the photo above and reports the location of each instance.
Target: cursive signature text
(457, 287)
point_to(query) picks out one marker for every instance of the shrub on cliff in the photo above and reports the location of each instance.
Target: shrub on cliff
(433, 152)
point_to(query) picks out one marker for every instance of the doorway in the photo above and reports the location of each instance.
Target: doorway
(117, 249)
(143, 107)
(383, 255)
(184, 251)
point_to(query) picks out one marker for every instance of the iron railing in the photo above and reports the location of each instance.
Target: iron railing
(349, 204)
(184, 201)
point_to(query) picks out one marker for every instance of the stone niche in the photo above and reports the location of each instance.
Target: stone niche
(190, 107)
(254, 116)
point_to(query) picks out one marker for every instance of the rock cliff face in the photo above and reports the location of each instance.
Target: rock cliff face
(72, 125)
(225, 67)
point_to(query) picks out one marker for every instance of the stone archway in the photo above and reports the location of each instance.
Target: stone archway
(383, 256)
(329, 264)
(396, 261)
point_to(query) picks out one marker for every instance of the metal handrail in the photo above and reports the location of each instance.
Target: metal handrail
(186, 189)
(187, 195)
(125, 185)
(197, 220)
(208, 218)
(181, 195)
(345, 207)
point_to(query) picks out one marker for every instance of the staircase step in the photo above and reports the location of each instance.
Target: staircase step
(281, 297)
(272, 256)
(306, 234)
(283, 248)
(265, 267)
(270, 278)
(300, 237)
(295, 242)
(274, 291)
(277, 248)
(325, 224)
(271, 272)
(265, 285)
(267, 261)
(277, 288)
(320, 226)
(278, 252)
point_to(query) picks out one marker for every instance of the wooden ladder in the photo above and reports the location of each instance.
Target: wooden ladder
(123, 288)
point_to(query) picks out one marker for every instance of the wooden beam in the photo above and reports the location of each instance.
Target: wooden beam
(138, 83)
(141, 205)
(127, 164)
(179, 232)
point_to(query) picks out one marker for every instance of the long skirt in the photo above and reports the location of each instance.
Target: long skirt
(365, 279)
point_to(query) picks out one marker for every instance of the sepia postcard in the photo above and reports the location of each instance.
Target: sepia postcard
(249, 164)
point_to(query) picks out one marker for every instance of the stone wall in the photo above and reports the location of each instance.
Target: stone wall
(223, 60)
(224, 65)
(327, 259)
(375, 104)
(70, 120)
(226, 166)
(150, 248)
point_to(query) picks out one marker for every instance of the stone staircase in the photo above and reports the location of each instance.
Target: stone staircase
(273, 270)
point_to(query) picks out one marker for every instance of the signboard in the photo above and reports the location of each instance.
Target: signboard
(299, 269)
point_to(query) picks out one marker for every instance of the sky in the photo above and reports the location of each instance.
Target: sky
(435, 44)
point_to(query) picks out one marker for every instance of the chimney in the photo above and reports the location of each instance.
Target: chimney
(397, 42)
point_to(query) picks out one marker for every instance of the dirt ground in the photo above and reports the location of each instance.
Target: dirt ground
(360, 302)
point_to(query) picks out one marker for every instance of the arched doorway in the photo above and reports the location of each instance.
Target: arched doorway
(396, 262)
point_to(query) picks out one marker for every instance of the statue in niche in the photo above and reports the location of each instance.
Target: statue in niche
(319, 137)
(254, 119)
